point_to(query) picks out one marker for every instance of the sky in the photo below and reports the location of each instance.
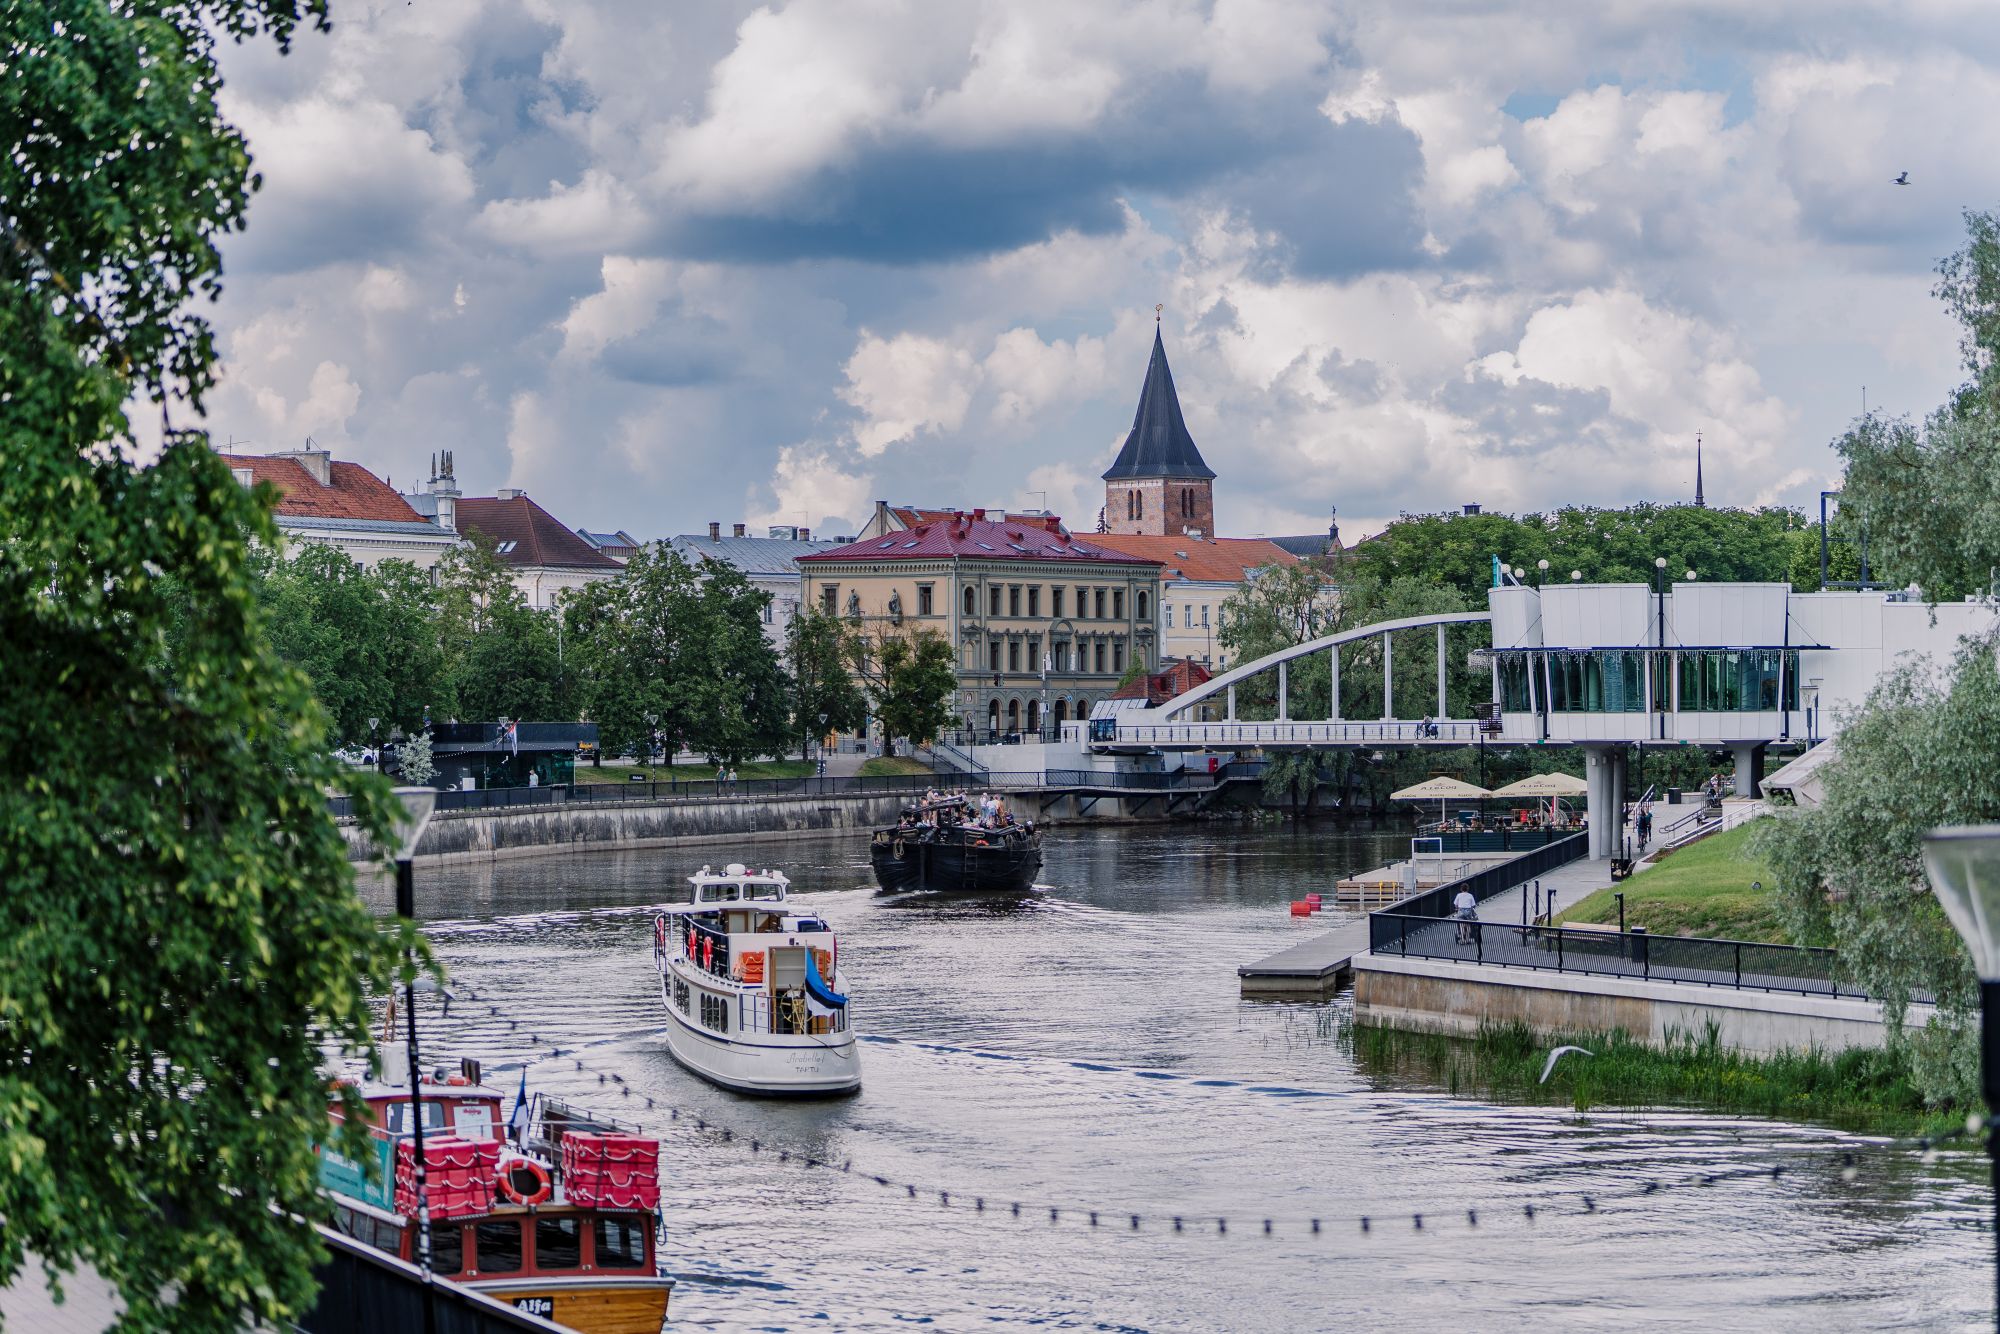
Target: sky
(662, 264)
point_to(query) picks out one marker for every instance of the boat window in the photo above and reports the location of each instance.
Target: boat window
(714, 1012)
(620, 1243)
(447, 1248)
(558, 1243)
(388, 1236)
(681, 994)
(719, 893)
(399, 1122)
(499, 1242)
(764, 891)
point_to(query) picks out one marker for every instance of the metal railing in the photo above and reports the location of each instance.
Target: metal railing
(1740, 965)
(1277, 733)
(510, 798)
(1435, 903)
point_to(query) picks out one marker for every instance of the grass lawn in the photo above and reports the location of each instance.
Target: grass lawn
(1701, 890)
(885, 766)
(690, 773)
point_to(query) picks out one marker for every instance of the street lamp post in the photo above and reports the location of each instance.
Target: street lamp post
(418, 803)
(1964, 867)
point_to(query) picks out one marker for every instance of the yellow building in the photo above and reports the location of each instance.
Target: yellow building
(1042, 623)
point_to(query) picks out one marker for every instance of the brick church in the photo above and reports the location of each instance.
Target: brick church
(1159, 485)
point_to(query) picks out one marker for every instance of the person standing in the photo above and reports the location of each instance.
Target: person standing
(1466, 909)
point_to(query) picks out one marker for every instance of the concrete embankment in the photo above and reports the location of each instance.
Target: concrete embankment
(530, 831)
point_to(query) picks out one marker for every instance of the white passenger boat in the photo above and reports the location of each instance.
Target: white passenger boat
(755, 998)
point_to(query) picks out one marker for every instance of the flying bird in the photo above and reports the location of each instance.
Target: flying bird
(1555, 1056)
(1903, 179)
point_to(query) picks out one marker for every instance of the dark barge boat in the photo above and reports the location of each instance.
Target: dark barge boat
(939, 845)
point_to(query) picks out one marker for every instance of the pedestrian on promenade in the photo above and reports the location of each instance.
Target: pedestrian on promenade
(1465, 909)
(721, 777)
(732, 778)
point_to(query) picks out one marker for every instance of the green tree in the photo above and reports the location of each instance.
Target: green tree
(913, 680)
(501, 657)
(818, 650)
(749, 709)
(1928, 493)
(179, 931)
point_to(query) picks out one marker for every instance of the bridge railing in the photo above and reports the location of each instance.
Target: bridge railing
(1243, 733)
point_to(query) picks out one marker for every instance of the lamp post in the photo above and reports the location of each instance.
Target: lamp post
(1964, 867)
(418, 803)
(1543, 566)
(1661, 684)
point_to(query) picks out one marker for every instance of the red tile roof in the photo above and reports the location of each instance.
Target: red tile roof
(523, 533)
(1176, 677)
(964, 537)
(910, 516)
(1222, 560)
(353, 492)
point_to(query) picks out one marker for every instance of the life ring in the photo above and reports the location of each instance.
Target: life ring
(540, 1186)
(978, 842)
(900, 853)
(659, 933)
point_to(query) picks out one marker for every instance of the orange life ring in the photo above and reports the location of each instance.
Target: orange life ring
(539, 1189)
(978, 842)
(659, 933)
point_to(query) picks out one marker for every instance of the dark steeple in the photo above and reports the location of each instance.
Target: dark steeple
(1159, 445)
(1699, 503)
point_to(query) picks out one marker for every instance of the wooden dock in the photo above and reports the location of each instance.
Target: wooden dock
(1310, 970)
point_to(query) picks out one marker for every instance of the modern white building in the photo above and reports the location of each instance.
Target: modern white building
(1727, 666)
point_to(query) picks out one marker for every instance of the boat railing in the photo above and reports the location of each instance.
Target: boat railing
(757, 1014)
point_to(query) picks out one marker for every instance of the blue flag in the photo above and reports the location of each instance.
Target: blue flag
(517, 1124)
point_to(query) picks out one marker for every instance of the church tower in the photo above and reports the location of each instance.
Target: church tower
(1159, 486)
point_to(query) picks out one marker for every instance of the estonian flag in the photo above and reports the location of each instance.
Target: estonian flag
(517, 1124)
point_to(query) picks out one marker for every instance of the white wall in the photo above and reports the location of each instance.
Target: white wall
(1727, 615)
(1517, 616)
(1597, 616)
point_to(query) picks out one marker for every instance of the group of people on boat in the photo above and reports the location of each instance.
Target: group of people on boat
(945, 809)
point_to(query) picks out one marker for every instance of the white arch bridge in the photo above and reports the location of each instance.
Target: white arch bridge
(1185, 722)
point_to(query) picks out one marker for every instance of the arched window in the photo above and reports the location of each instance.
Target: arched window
(1034, 715)
(1062, 712)
(1013, 715)
(1145, 606)
(971, 601)
(993, 716)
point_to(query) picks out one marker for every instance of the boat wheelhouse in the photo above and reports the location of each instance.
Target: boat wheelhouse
(562, 1223)
(756, 1001)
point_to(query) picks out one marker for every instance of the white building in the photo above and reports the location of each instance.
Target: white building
(770, 563)
(1729, 666)
(546, 558)
(343, 505)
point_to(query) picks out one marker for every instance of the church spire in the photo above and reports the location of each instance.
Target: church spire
(1699, 502)
(1159, 444)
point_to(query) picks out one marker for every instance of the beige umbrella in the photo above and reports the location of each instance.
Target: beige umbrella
(1544, 785)
(1443, 789)
(1551, 786)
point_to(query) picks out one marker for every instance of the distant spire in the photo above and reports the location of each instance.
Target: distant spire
(1699, 502)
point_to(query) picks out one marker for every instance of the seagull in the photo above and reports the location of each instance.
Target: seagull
(1555, 1056)
(1904, 179)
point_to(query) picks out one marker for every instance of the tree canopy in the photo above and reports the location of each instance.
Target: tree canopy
(179, 931)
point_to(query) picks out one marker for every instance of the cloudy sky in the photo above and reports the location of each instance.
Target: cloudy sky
(666, 263)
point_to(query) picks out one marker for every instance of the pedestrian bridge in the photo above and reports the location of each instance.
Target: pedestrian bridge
(1189, 721)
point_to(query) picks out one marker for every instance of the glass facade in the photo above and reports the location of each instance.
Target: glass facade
(1514, 694)
(1613, 681)
(1738, 680)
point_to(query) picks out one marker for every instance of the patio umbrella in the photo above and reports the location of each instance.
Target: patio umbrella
(1551, 786)
(1444, 789)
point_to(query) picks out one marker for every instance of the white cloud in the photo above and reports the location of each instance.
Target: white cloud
(631, 296)
(905, 386)
(1029, 375)
(810, 483)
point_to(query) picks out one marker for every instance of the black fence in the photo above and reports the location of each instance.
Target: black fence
(365, 1291)
(889, 785)
(1436, 902)
(1738, 964)
(1505, 838)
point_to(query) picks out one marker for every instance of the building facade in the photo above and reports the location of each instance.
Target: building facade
(770, 563)
(1043, 624)
(1158, 485)
(343, 505)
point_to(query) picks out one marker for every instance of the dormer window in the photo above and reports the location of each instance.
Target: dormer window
(245, 478)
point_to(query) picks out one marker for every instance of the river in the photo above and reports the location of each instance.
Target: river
(1087, 1049)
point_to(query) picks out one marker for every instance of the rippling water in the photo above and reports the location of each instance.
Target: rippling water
(1086, 1048)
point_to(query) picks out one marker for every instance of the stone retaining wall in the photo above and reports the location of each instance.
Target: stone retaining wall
(1436, 996)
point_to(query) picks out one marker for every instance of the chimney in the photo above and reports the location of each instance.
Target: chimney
(1472, 509)
(714, 530)
(736, 530)
(882, 525)
(318, 462)
(509, 493)
(805, 534)
(979, 514)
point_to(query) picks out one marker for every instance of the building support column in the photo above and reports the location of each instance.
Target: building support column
(1620, 762)
(1333, 658)
(1598, 807)
(1749, 756)
(1284, 694)
(1232, 703)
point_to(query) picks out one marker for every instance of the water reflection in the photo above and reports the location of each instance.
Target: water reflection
(1085, 1047)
